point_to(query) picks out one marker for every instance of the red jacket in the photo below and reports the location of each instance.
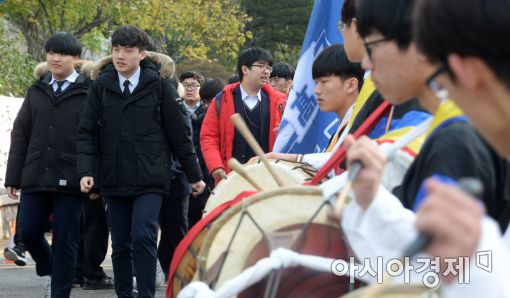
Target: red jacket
(217, 135)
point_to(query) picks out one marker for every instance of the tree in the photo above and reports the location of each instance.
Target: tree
(208, 69)
(197, 29)
(39, 19)
(279, 26)
(16, 67)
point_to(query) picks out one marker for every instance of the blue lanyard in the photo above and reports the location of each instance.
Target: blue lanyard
(446, 123)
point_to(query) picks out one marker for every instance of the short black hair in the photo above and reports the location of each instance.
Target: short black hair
(348, 11)
(333, 61)
(210, 88)
(131, 37)
(192, 74)
(63, 43)
(391, 18)
(467, 28)
(250, 56)
(283, 70)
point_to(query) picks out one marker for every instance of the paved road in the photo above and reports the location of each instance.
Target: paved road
(18, 281)
(23, 282)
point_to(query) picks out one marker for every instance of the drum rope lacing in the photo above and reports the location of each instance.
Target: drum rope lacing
(279, 259)
(272, 284)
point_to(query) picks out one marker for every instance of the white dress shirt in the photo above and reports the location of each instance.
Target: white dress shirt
(70, 79)
(318, 160)
(193, 108)
(133, 80)
(250, 101)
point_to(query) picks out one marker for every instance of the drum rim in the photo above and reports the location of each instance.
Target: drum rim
(305, 169)
(209, 220)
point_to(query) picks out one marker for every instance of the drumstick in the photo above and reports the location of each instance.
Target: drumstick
(245, 131)
(236, 166)
(472, 186)
(353, 173)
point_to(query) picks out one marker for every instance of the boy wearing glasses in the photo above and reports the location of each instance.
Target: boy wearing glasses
(191, 82)
(452, 149)
(369, 98)
(255, 100)
(473, 67)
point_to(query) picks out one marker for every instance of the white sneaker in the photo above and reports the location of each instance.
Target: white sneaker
(160, 278)
(160, 275)
(47, 288)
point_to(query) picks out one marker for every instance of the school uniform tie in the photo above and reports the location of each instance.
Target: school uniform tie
(126, 93)
(59, 88)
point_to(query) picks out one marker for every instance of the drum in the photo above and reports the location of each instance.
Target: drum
(294, 218)
(397, 291)
(184, 263)
(292, 173)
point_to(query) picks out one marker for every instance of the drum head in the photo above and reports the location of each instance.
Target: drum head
(295, 218)
(291, 173)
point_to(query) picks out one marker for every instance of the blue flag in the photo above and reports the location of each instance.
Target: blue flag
(304, 128)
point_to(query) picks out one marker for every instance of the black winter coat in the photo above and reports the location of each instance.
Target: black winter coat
(136, 136)
(196, 121)
(42, 156)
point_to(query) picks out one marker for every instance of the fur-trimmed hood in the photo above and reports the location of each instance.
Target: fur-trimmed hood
(84, 67)
(164, 64)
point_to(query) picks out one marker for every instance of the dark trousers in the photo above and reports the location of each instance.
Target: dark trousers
(59, 261)
(19, 228)
(93, 240)
(134, 228)
(196, 207)
(173, 220)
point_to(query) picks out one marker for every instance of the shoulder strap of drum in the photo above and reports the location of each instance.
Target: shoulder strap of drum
(339, 156)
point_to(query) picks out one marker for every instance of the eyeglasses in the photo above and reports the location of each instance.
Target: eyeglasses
(191, 86)
(438, 90)
(369, 44)
(263, 67)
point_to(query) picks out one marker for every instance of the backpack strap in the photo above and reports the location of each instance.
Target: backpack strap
(218, 98)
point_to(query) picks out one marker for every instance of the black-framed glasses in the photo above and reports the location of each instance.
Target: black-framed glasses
(369, 44)
(191, 86)
(438, 89)
(263, 67)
